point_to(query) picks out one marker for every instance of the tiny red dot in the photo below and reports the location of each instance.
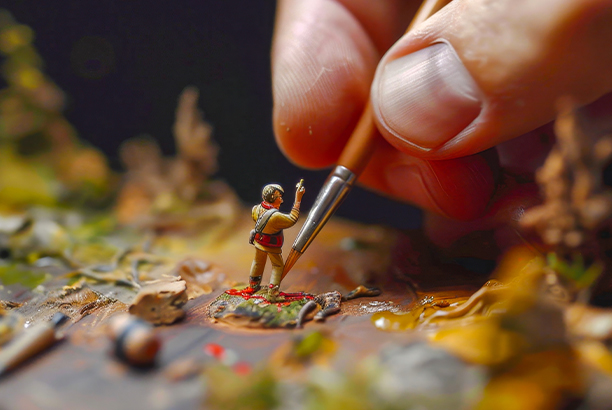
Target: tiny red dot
(214, 350)
(242, 368)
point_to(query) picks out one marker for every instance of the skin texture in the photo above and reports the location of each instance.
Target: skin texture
(298, 198)
(277, 202)
(517, 58)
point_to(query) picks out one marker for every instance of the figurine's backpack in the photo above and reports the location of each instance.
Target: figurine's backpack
(261, 223)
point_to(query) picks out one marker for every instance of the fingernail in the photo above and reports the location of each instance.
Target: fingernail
(426, 98)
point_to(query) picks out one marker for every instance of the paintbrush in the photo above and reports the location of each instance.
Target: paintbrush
(31, 342)
(352, 162)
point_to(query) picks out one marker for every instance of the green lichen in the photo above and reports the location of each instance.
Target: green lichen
(257, 311)
(13, 274)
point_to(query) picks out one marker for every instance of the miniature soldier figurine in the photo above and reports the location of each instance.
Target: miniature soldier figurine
(267, 237)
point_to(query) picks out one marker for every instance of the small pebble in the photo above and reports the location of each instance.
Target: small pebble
(135, 341)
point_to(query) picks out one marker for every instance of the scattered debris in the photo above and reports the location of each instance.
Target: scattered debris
(184, 369)
(378, 306)
(309, 309)
(8, 305)
(362, 291)
(11, 323)
(31, 342)
(330, 305)
(201, 277)
(76, 302)
(135, 341)
(160, 302)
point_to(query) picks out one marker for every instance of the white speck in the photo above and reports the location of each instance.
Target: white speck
(378, 306)
(381, 323)
(229, 358)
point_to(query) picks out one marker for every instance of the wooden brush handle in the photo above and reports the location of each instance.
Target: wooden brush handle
(361, 144)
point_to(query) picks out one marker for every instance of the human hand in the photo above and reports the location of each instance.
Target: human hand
(478, 74)
(299, 193)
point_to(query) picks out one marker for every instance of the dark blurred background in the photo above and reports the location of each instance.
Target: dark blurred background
(124, 63)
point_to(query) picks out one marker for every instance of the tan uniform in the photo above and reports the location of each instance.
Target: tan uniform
(277, 222)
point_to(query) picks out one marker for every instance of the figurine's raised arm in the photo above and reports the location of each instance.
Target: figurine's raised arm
(299, 193)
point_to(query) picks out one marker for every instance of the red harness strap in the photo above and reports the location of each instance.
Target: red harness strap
(272, 240)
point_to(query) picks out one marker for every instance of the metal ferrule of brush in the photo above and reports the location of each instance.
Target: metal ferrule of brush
(338, 184)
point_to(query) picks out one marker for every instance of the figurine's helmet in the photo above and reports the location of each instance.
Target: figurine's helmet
(271, 192)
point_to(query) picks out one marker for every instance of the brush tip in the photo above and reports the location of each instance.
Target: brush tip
(291, 259)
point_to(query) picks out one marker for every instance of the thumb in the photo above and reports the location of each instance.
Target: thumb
(481, 72)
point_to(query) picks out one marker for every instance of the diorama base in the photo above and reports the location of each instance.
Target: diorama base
(247, 308)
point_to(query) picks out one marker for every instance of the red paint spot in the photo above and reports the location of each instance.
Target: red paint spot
(247, 294)
(242, 368)
(296, 296)
(214, 350)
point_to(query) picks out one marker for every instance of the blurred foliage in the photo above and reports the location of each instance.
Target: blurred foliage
(13, 274)
(307, 346)
(229, 390)
(372, 382)
(576, 271)
(42, 161)
(23, 184)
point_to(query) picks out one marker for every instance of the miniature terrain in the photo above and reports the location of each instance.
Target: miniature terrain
(244, 307)
(407, 325)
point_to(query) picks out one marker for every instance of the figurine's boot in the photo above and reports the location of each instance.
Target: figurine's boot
(273, 294)
(275, 278)
(257, 268)
(255, 283)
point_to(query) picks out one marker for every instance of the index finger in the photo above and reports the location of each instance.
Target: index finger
(324, 56)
